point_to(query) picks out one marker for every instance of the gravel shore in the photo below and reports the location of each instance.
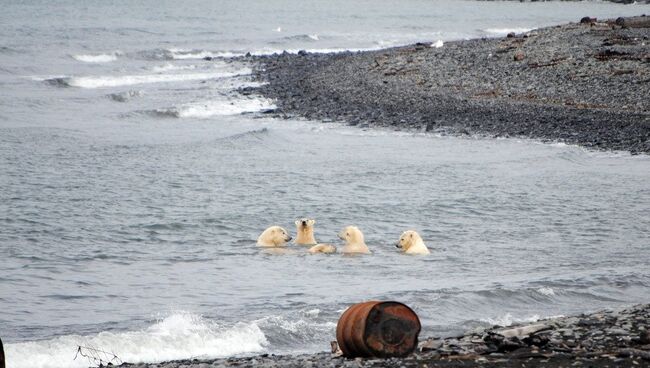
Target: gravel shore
(604, 339)
(581, 83)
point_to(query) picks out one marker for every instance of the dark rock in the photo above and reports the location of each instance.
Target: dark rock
(587, 20)
(511, 35)
(208, 58)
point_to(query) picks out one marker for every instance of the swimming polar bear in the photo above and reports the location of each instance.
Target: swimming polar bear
(274, 236)
(305, 232)
(354, 241)
(411, 243)
(305, 236)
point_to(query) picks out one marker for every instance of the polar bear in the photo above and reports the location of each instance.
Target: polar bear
(305, 232)
(274, 236)
(411, 243)
(305, 236)
(354, 242)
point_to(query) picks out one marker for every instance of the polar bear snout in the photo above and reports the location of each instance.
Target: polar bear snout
(342, 235)
(304, 222)
(398, 245)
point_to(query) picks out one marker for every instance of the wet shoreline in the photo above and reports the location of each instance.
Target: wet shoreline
(612, 338)
(580, 83)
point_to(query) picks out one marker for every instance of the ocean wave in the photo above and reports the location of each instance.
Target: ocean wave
(178, 336)
(182, 54)
(217, 107)
(124, 96)
(509, 320)
(505, 31)
(171, 67)
(127, 80)
(302, 37)
(97, 58)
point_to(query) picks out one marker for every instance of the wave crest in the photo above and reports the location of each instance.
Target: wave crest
(218, 107)
(178, 336)
(97, 58)
(127, 80)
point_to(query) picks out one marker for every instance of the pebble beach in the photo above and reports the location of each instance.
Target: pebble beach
(584, 83)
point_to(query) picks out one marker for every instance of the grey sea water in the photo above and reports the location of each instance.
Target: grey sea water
(134, 181)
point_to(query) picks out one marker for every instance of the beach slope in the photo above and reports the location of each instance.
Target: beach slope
(585, 83)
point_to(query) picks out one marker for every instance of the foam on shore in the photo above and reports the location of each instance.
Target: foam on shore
(178, 336)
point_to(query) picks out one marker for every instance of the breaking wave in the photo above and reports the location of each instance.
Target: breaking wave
(217, 107)
(97, 58)
(178, 336)
(505, 31)
(181, 54)
(128, 80)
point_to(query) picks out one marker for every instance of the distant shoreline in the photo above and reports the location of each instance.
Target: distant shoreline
(580, 83)
(617, 338)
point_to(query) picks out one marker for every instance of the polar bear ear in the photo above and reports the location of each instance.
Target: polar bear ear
(312, 221)
(297, 222)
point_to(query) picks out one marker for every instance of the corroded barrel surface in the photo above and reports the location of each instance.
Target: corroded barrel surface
(379, 329)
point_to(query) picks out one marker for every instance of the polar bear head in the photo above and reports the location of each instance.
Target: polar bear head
(411, 242)
(352, 235)
(305, 231)
(274, 236)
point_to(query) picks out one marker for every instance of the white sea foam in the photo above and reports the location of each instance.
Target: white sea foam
(183, 54)
(438, 44)
(546, 291)
(96, 58)
(179, 336)
(218, 107)
(171, 67)
(508, 319)
(505, 31)
(127, 80)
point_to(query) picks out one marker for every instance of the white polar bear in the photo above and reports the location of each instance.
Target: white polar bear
(274, 236)
(411, 243)
(354, 241)
(305, 236)
(305, 232)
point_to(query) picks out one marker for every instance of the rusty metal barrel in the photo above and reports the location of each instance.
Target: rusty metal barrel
(2, 355)
(378, 329)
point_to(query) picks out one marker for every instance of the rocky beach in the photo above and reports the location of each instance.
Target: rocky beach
(584, 83)
(613, 338)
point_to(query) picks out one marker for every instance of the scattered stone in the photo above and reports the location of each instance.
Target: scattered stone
(511, 35)
(587, 20)
(579, 87)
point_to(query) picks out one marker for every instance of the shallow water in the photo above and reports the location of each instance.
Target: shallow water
(135, 182)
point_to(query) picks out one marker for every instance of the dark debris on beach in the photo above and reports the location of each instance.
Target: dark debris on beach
(585, 83)
(604, 339)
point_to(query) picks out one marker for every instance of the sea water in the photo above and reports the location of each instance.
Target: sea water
(134, 180)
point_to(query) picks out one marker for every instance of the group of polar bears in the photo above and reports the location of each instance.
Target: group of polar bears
(275, 237)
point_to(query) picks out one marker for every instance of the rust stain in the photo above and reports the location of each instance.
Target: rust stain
(379, 329)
